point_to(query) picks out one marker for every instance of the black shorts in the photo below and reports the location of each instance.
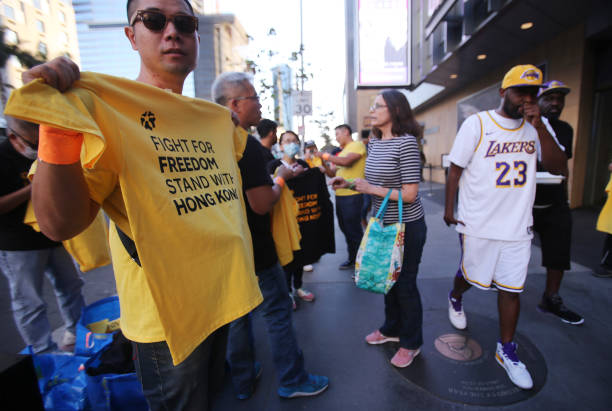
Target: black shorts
(554, 226)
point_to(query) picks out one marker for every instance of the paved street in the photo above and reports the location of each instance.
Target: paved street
(576, 359)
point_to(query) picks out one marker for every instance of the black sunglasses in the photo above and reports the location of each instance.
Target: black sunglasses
(26, 142)
(157, 21)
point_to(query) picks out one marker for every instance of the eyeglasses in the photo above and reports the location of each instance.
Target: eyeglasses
(157, 21)
(253, 97)
(26, 142)
(376, 107)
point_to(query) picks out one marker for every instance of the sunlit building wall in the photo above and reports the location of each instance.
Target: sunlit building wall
(44, 28)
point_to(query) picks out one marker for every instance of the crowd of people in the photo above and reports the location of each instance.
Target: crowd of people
(202, 202)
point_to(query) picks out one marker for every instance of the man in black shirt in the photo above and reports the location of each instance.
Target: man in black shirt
(27, 255)
(235, 91)
(551, 214)
(267, 136)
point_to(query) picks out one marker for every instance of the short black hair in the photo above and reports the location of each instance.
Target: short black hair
(346, 126)
(265, 126)
(130, 12)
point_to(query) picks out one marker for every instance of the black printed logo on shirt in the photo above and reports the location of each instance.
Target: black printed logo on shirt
(147, 120)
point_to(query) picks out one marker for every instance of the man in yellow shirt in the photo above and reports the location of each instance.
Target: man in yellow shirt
(164, 168)
(349, 164)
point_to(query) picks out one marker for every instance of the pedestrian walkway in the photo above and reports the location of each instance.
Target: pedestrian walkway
(331, 332)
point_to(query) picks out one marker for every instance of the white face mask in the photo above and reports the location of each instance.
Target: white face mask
(30, 153)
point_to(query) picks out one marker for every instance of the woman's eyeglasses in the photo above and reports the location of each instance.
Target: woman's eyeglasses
(157, 21)
(376, 107)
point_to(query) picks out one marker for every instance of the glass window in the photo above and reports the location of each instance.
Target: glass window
(62, 16)
(45, 6)
(37, 4)
(40, 26)
(10, 36)
(9, 12)
(42, 49)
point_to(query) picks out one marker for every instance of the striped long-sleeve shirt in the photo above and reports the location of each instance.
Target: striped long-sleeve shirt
(391, 163)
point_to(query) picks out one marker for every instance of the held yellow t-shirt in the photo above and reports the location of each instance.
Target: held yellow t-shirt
(314, 162)
(356, 170)
(604, 222)
(164, 168)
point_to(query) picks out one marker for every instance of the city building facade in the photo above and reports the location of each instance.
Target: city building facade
(283, 103)
(221, 39)
(43, 28)
(463, 48)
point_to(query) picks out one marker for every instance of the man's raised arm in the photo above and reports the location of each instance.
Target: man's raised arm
(59, 193)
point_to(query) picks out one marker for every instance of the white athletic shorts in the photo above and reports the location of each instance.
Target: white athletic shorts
(503, 263)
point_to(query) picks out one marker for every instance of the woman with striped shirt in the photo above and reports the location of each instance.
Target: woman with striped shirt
(393, 162)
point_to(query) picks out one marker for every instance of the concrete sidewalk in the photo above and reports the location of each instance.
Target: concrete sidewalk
(331, 330)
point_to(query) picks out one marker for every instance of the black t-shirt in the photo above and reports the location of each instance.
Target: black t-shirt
(549, 194)
(254, 174)
(267, 154)
(315, 216)
(14, 234)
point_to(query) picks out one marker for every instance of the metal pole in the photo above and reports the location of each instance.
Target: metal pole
(302, 70)
(430, 180)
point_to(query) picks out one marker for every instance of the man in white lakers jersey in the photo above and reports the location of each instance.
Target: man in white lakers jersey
(493, 162)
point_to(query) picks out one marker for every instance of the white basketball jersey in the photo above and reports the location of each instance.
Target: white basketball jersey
(497, 186)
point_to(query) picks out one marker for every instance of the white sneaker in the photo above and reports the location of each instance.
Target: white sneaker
(68, 341)
(456, 317)
(308, 268)
(515, 369)
(68, 338)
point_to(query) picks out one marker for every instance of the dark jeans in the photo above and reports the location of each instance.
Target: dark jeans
(606, 259)
(403, 309)
(188, 385)
(367, 205)
(276, 309)
(294, 272)
(348, 211)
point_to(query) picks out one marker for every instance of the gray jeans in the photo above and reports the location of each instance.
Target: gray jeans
(24, 271)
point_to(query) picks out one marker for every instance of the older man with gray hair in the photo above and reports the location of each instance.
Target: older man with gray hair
(235, 91)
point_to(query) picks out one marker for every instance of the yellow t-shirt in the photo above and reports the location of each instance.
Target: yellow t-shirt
(164, 168)
(357, 170)
(314, 162)
(89, 248)
(604, 222)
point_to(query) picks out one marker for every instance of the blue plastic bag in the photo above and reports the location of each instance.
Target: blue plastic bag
(89, 343)
(62, 381)
(108, 392)
(124, 392)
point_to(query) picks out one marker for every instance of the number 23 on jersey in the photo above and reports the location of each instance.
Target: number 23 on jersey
(514, 175)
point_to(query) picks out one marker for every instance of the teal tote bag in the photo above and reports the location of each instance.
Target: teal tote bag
(381, 252)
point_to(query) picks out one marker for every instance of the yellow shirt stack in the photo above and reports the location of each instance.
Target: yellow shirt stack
(356, 170)
(164, 168)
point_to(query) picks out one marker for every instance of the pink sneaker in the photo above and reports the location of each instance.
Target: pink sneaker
(305, 294)
(404, 357)
(376, 337)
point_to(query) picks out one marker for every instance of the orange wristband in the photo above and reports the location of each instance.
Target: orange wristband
(57, 146)
(280, 181)
(326, 156)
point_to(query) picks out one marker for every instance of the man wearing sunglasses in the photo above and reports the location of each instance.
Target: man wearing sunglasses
(27, 255)
(174, 305)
